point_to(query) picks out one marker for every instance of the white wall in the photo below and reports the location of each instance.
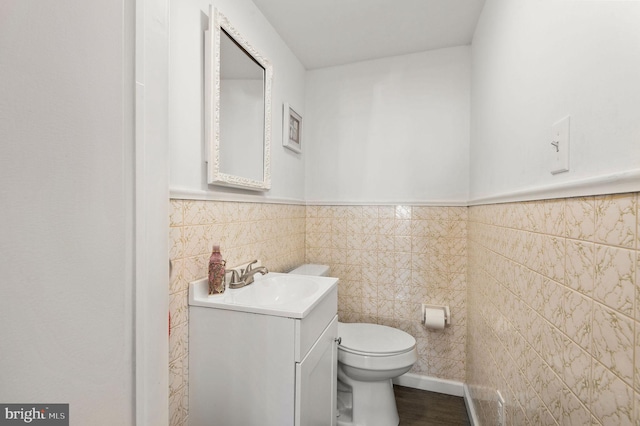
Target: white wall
(535, 62)
(66, 167)
(389, 130)
(189, 20)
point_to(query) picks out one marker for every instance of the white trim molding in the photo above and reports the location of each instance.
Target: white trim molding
(151, 227)
(429, 203)
(613, 183)
(431, 384)
(241, 197)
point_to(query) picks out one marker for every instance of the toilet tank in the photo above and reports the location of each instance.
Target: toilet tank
(311, 269)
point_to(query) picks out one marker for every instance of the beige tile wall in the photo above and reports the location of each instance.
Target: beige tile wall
(554, 311)
(274, 233)
(390, 260)
(552, 300)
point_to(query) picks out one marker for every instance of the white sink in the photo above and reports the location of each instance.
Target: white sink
(277, 290)
(285, 295)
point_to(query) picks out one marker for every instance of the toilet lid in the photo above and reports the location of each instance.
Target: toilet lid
(374, 338)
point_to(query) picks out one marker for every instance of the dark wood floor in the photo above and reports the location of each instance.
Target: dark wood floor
(421, 408)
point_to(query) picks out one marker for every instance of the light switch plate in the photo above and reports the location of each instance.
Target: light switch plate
(560, 146)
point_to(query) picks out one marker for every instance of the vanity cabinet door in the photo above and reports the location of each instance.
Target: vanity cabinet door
(316, 381)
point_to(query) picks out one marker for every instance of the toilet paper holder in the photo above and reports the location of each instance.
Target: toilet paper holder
(445, 308)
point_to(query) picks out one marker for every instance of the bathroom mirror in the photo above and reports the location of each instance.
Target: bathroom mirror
(237, 109)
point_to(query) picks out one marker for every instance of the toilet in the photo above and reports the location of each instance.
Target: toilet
(370, 356)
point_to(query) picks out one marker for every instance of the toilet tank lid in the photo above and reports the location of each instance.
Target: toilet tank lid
(311, 269)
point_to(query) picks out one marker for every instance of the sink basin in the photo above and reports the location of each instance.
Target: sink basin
(276, 290)
(285, 295)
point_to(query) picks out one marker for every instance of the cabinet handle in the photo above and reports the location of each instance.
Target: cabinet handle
(338, 340)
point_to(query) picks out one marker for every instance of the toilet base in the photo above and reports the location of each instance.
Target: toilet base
(374, 402)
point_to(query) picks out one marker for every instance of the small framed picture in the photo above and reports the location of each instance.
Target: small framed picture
(291, 129)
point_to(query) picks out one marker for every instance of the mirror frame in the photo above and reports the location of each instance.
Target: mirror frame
(217, 23)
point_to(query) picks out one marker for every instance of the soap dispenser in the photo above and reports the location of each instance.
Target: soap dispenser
(216, 271)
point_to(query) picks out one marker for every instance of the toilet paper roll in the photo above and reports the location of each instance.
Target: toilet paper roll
(434, 318)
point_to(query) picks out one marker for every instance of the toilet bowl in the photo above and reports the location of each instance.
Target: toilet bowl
(370, 356)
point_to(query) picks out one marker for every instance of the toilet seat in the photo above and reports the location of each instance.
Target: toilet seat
(374, 340)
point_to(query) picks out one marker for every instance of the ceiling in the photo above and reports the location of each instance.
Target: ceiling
(324, 33)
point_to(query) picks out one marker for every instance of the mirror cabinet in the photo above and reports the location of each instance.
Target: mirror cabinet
(237, 108)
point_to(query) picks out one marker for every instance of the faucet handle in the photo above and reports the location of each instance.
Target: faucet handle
(236, 281)
(249, 267)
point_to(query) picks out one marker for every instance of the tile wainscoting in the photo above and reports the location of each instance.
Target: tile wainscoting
(274, 233)
(389, 259)
(551, 304)
(554, 311)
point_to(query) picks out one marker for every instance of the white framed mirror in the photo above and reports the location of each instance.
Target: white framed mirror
(237, 108)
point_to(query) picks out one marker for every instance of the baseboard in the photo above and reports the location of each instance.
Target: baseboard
(471, 408)
(431, 384)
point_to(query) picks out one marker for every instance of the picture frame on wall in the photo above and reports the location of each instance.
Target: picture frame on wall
(291, 129)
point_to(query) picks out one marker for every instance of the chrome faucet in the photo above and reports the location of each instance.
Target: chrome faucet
(246, 276)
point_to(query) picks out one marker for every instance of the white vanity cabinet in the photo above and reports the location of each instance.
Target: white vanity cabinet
(248, 368)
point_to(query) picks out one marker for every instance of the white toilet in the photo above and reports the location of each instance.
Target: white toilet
(369, 357)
